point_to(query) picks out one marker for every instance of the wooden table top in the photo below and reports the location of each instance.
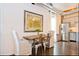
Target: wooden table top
(34, 37)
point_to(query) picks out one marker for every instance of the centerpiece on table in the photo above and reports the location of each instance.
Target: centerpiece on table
(38, 30)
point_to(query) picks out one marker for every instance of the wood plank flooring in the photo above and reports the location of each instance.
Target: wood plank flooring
(59, 49)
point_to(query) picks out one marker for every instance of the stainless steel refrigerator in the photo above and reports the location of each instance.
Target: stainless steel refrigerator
(65, 31)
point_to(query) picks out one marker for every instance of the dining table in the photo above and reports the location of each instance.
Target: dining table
(34, 38)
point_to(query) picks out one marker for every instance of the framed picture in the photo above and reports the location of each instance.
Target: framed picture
(32, 22)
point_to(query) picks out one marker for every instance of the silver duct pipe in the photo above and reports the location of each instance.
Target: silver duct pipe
(50, 8)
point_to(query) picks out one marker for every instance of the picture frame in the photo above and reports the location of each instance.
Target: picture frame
(33, 22)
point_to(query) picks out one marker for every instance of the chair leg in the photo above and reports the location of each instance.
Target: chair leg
(36, 48)
(44, 46)
(17, 50)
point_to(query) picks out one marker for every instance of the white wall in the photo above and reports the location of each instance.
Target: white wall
(12, 17)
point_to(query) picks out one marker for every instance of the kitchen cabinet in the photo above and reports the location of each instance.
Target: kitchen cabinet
(74, 36)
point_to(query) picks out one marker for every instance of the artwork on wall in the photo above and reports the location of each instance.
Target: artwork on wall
(33, 22)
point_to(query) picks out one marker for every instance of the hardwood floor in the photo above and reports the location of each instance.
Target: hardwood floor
(66, 48)
(41, 52)
(59, 49)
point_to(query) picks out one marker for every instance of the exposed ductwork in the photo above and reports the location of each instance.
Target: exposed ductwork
(50, 7)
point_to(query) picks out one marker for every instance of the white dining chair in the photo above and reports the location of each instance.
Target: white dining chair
(20, 44)
(17, 42)
(51, 40)
(48, 42)
(36, 47)
(45, 43)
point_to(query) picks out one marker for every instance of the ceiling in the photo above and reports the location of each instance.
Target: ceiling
(64, 6)
(61, 8)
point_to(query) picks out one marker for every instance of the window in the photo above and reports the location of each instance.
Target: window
(53, 26)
